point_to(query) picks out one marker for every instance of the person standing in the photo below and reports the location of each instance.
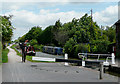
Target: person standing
(23, 47)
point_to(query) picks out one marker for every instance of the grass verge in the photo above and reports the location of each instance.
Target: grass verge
(29, 58)
(13, 47)
(5, 55)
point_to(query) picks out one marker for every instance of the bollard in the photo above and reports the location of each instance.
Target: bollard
(83, 63)
(113, 58)
(66, 57)
(101, 71)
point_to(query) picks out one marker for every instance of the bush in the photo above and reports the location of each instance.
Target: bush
(5, 55)
(33, 42)
(100, 46)
(72, 48)
(41, 47)
(38, 47)
(81, 48)
(69, 47)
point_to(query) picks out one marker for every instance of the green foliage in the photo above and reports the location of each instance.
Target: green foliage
(73, 48)
(110, 33)
(16, 41)
(22, 39)
(5, 55)
(41, 47)
(7, 29)
(38, 47)
(82, 48)
(33, 42)
(69, 47)
(100, 46)
(61, 37)
(32, 34)
(46, 36)
(14, 47)
(79, 35)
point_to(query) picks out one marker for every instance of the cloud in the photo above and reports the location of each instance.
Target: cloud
(43, 18)
(23, 20)
(14, 7)
(10, 6)
(59, 1)
(107, 17)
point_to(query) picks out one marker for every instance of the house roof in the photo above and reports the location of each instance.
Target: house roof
(118, 22)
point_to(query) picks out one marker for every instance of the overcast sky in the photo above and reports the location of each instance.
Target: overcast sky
(45, 12)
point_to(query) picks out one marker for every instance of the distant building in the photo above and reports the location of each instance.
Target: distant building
(117, 25)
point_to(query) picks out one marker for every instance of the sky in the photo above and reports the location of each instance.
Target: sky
(45, 12)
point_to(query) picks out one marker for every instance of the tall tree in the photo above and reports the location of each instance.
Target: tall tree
(46, 37)
(7, 29)
(33, 33)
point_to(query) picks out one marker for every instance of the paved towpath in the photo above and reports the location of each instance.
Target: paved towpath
(16, 71)
(12, 56)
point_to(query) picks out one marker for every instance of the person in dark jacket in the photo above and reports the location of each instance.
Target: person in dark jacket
(23, 47)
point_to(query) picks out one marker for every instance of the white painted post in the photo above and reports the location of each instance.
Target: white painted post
(66, 57)
(113, 58)
(83, 61)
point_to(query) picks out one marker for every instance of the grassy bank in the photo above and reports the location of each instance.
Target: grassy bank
(5, 55)
(29, 58)
(13, 47)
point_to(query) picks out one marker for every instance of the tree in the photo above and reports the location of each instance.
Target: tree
(61, 37)
(69, 47)
(110, 33)
(81, 48)
(33, 33)
(46, 36)
(33, 42)
(100, 46)
(7, 29)
(79, 35)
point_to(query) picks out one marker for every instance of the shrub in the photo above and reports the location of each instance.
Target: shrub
(33, 42)
(41, 47)
(100, 46)
(69, 47)
(81, 48)
(38, 47)
(72, 48)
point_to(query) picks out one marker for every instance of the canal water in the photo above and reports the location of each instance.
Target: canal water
(41, 54)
